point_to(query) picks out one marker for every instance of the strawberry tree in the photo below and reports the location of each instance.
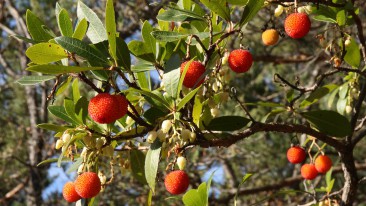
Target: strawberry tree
(189, 51)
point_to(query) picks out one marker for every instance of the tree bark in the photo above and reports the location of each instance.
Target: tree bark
(349, 193)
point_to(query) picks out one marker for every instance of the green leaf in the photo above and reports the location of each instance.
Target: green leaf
(187, 98)
(152, 163)
(70, 110)
(153, 96)
(60, 112)
(64, 23)
(44, 53)
(149, 40)
(238, 2)
(75, 165)
(178, 15)
(81, 109)
(170, 36)
(153, 114)
(318, 94)
(227, 123)
(52, 127)
(82, 49)
(171, 76)
(142, 66)
(143, 80)
(123, 54)
(75, 90)
(324, 13)
(81, 29)
(110, 24)
(96, 31)
(245, 178)
(36, 27)
(353, 55)
(140, 50)
(341, 18)
(59, 69)
(329, 122)
(220, 7)
(250, 10)
(137, 159)
(197, 111)
(64, 85)
(196, 197)
(32, 80)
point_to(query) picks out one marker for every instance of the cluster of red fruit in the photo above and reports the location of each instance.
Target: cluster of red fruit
(86, 185)
(297, 25)
(240, 61)
(309, 171)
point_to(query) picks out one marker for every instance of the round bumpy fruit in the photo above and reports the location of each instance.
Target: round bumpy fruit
(88, 185)
(308, 171)
(106, 108)
(193, 77)
(176, 182)
(323, 163)
(240, 60)
(270, 37)
(69, 192)
(297, 25)
(296, 155)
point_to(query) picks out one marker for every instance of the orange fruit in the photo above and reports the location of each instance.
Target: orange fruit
(193, 77)
(270, 37)
(88, 185)
(323, 163)
(308, 171)
(176, 182)
(240, 60)
(296, 155)
(297, 25)
(69, 192)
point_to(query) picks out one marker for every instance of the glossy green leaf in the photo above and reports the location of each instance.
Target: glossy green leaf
(196, 197)
(353, 55)
(245, 178)
(59, 69)
(64, 23)
(151, 94)
(170, 36)
(64, 85)
(329, 122)
(197, 111)
(75, 166)
(250, 10)
(178, 15)
(187, 98)
(143, 80)
(341, 105)
(70, 110)
(171, 76)
(341, 17)
(140, 50)
(142, 66)
(96, 32)
(82, 49)
(220, 7)
(81, 109)
(324, 13)
(81, 29)
(137, 159)
(153, 114)
(75, 90)
(123, 54)
(238, 2)
(227, 123)
(32, 80)
(60, 112)
(44, 53)
(152, 163)
(318, 94)
(149, 40)
(110, 24)
(36, 28)
(52, 127)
